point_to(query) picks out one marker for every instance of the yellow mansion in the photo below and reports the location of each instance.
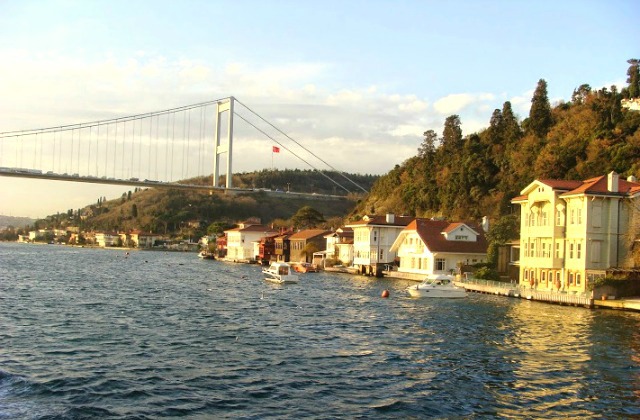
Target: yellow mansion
(572, 232)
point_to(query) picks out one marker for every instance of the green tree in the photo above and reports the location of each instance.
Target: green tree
(633, 78)
(307, 217)
(540, 119)
(134, 211)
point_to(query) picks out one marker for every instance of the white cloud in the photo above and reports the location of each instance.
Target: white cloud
(454, 103)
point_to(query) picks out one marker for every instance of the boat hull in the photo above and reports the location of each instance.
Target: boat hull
(430, 291)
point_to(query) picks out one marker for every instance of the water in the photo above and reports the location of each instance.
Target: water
(90, 333)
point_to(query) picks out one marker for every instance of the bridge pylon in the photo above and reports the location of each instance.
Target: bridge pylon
(225, 105)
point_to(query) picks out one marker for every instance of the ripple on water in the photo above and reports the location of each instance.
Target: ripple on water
(92, 334)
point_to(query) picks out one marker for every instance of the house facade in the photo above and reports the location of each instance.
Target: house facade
(305, 243)
(573, 232)
(240, 241)
(427, 247)
(372, 240)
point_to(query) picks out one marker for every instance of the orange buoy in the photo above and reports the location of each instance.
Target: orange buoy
(385, 293)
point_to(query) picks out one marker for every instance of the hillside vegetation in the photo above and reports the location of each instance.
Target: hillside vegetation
(476, 175)
(191, 213)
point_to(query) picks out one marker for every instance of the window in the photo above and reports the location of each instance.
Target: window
(578, 250)
(558, 218)
(573, 216)
(544, 218)
(579, 211)
(375, 236)
(381, 255)
(570, 250)
(544, 276)
(557, 249)
(526, 249)
(570, 278)
(440, 264)
(577, 279)
(461, 237)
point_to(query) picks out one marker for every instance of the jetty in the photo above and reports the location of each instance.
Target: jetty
(558, 297)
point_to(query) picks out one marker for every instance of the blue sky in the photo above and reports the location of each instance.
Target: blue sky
(346, 78)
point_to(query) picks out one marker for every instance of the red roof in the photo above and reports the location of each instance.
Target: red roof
(431, 233)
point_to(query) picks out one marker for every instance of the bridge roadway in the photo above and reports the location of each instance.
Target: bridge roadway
(28, 173)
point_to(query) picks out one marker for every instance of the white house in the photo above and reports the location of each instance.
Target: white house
(428, 246)
(240, 241)
(372, 240)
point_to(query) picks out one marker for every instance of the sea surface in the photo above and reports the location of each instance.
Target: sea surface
(93, 333)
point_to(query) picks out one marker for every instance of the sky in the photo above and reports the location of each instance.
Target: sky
(357, 82)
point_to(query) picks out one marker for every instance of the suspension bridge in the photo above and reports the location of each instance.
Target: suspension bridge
(171, 148)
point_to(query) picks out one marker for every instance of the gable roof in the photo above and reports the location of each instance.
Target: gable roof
(381, 221)
(430, 231)
(308, 234)
(253, 228)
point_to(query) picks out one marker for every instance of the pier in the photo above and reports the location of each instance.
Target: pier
(560, 298)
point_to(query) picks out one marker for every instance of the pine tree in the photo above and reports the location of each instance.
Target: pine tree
(540, 114)
(634, 78)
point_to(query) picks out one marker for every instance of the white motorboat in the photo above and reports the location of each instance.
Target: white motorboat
(280, 272)
(440, 286)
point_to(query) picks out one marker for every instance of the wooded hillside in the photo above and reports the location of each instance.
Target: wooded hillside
(469, 177)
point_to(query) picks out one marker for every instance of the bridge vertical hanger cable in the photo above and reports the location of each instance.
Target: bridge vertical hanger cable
(149, 158)
(186, 175)
(184, 134)
(309, 151)
(115, 150)
(173, 142)
(79, 146)
(89, 151)
(157, 142)
(166, 149)
(133, 147)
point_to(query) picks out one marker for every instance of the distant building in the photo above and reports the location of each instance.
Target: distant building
(240, 241)
(573, 232)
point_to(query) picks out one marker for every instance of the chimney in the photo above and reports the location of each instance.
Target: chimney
(485, 223)
(612, 182)
(390, 218)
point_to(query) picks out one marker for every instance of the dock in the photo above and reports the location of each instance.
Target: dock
(547, 296)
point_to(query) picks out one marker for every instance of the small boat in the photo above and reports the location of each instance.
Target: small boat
(304, 267)
(439, 286)
(280, 272)
(206, 255)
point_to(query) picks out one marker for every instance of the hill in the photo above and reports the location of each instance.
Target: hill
(169, 211)
(16, 222)
(469, 177)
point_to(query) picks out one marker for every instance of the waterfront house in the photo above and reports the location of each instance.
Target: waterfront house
(339, 247)
(105, 239)
(372, 240)
(574, 232)
(240, 241)
(267, 249)
(142, 240)
(305, 243)
(282, 250)
(429, 246)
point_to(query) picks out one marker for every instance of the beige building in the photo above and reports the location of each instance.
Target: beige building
(573, 232)
(240, 241)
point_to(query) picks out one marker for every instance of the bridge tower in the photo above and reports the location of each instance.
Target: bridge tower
(225, 105)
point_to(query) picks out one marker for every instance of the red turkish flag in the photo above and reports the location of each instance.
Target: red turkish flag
(276, 149)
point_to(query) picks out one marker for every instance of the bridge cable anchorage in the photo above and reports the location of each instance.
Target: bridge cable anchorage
(296, 142)
(293, 153)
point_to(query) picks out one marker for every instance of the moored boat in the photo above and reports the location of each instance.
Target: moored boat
(440, 286)
(280, 272)
(206, 255)
(304, 267)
